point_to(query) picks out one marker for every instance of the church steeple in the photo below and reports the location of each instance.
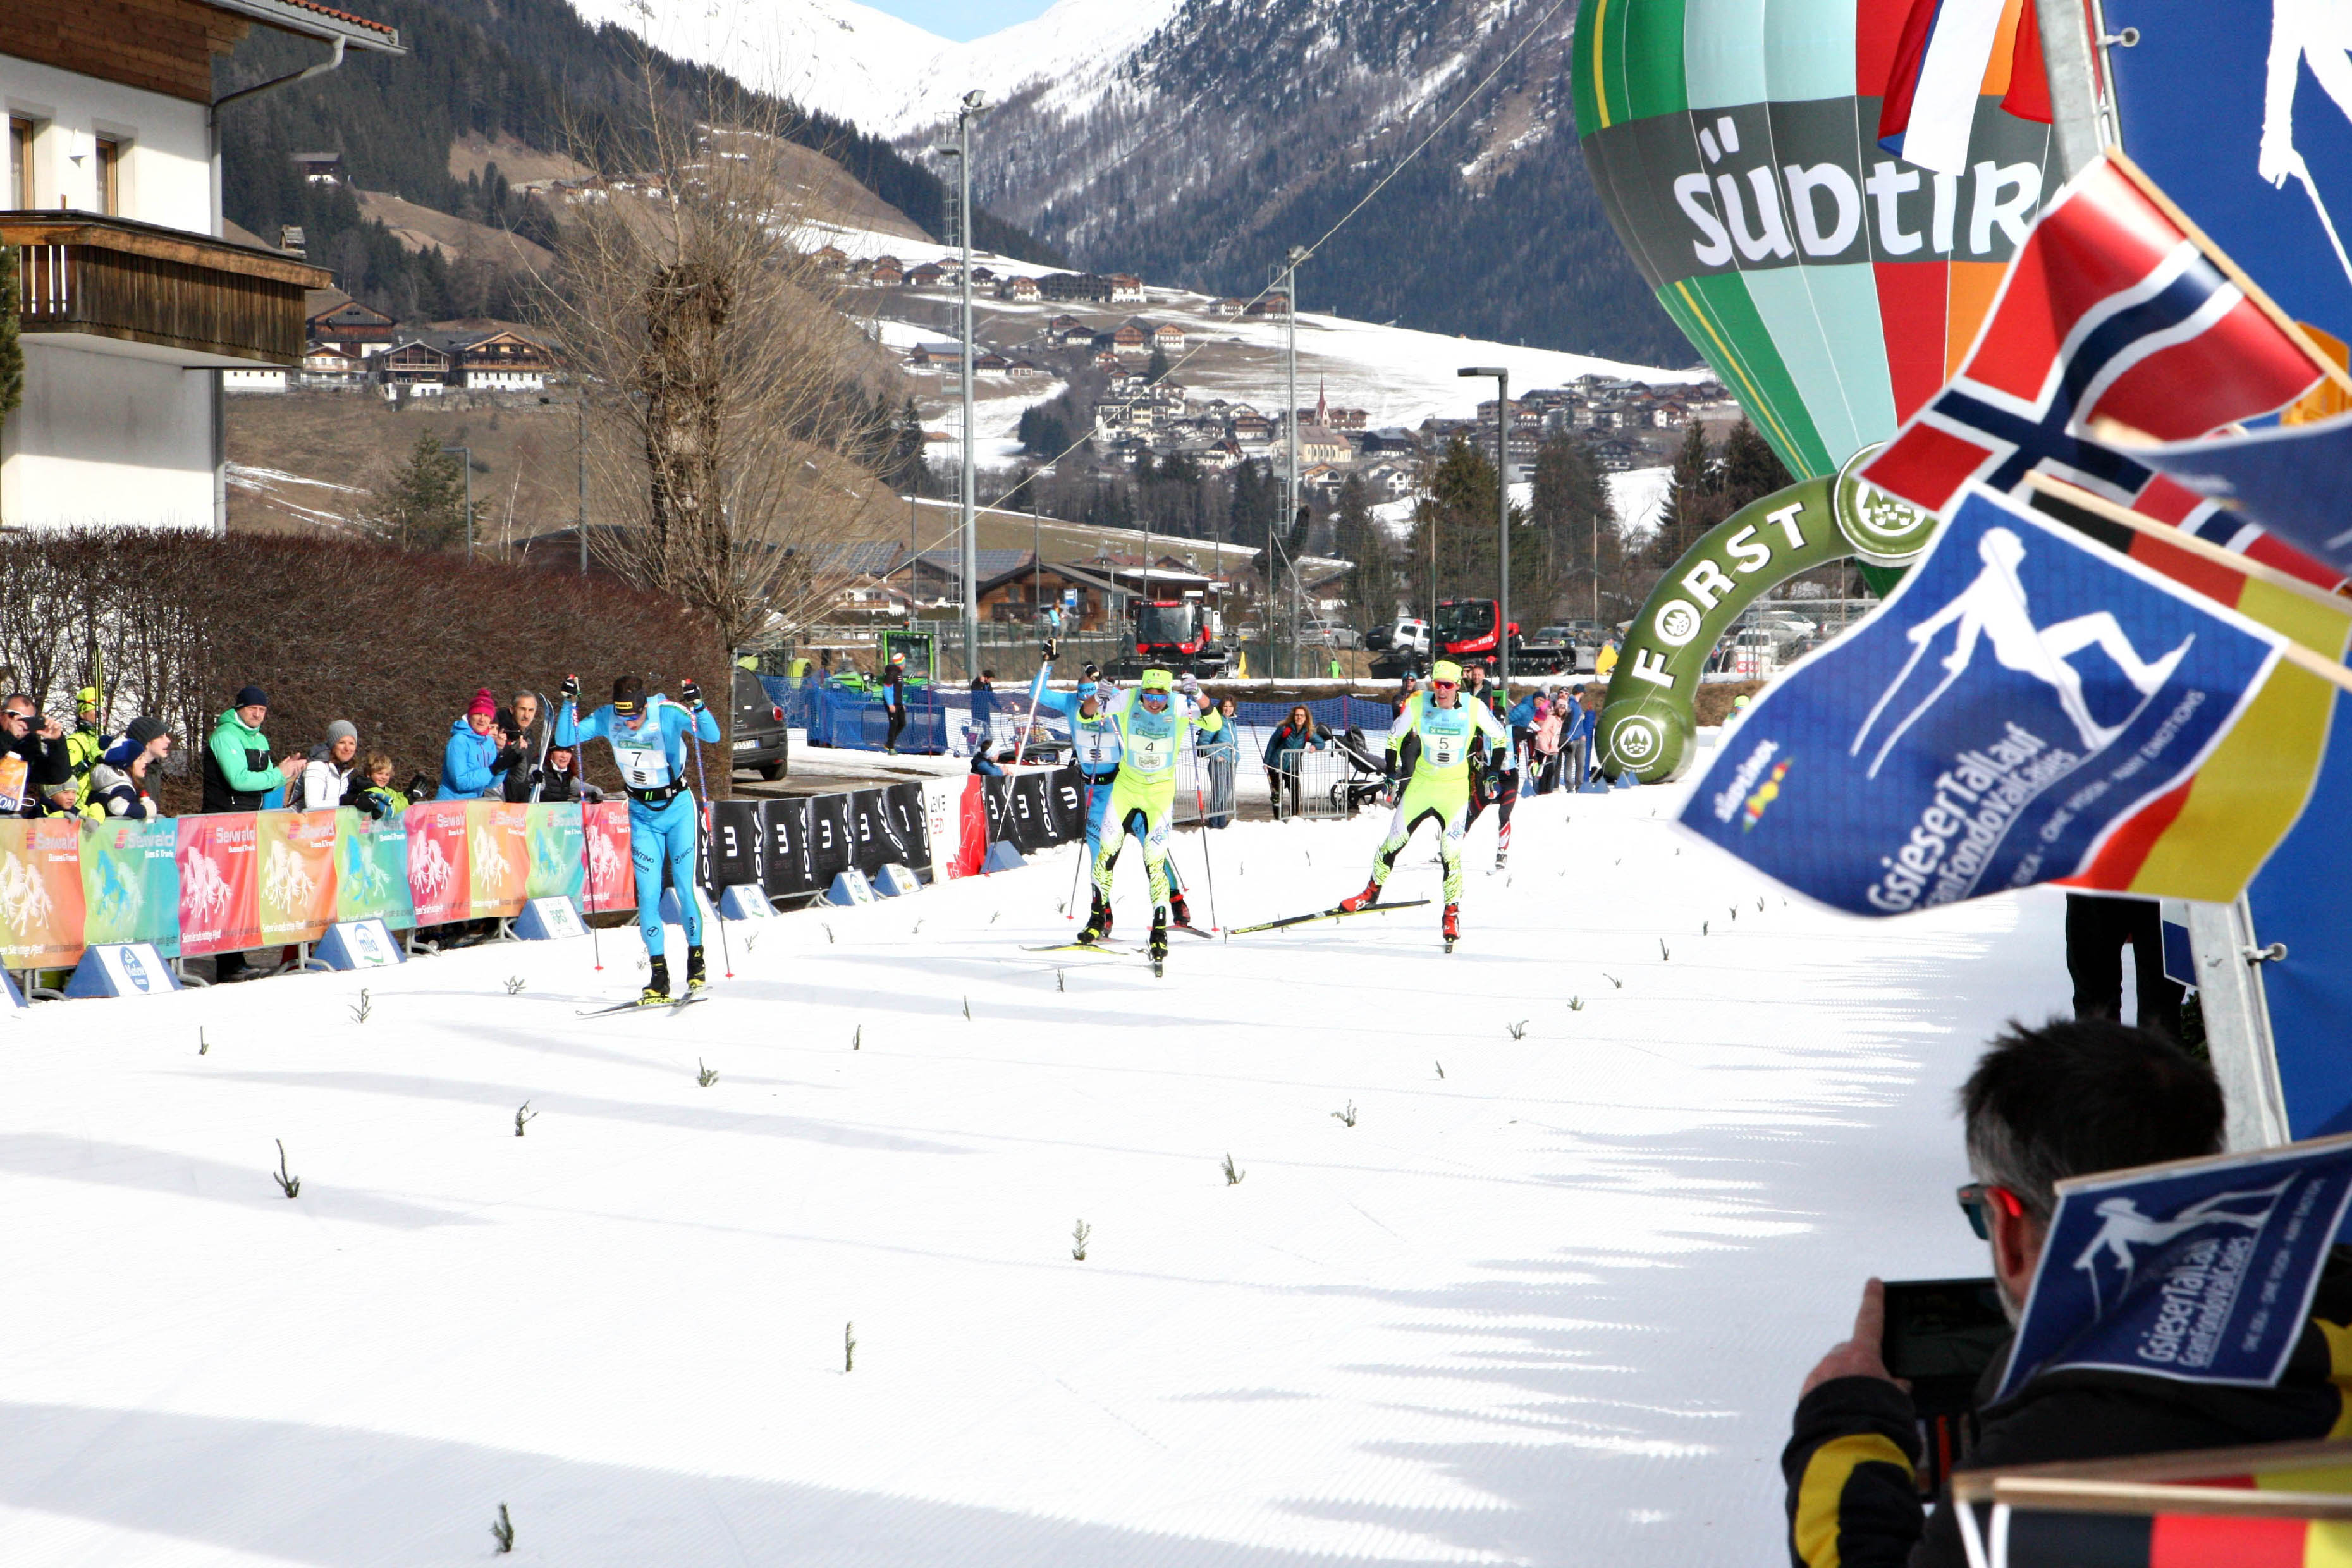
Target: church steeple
(1322, 408)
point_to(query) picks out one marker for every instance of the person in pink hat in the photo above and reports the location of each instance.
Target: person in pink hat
(474, 765)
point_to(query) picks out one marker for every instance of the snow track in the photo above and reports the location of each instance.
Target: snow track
(1549, 1307)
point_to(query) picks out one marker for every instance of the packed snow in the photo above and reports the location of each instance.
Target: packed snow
(1616, 1169)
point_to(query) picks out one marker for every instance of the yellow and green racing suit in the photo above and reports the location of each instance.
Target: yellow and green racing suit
(1439, 789)
(1144, 793)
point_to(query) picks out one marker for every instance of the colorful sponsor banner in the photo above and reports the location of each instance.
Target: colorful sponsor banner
(2023, 706)
(130, 883)
(612, 881)
(371, 870)
(498, 858)
(40, 892)
(2202, 1270)
(220, 903)
(555, 835)
(438, 882)
(296, 884)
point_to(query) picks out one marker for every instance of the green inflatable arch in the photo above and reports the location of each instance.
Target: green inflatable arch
(1649, 727)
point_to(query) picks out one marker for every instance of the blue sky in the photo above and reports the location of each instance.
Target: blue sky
(962, 18)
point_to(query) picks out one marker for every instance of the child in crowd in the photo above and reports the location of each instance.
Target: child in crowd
(376, 796)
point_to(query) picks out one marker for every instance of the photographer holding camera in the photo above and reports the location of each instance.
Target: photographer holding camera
(2069, 1098)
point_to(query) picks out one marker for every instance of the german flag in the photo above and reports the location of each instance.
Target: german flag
(2207, 838)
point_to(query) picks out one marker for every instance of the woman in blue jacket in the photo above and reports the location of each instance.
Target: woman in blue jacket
(475, 763)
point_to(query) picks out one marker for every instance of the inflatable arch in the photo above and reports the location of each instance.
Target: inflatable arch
(1649, 726)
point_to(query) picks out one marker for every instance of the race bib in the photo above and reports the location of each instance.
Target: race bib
(1152, 753)
(1444, 738)
(1097, 743)
(644, 763)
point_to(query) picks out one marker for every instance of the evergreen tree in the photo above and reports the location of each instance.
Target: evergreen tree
(1156, 371)
(1256, 505)
(906, 469)
(421, 505)
(1457, 513)
(1576, 517)
(1694, 498)
(1751, 470)
(1358, 538)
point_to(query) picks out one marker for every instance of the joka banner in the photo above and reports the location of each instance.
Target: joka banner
(2201, 1270)
(436, 862)
(130, 883)
(2008, 711)
(498, 858)
(297, 883)
(220, 909)
(371, 870)
(40, 892)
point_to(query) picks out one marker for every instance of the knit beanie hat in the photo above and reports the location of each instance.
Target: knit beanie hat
(251, 697)
(484, 704)
(339, 728)
(143, 730)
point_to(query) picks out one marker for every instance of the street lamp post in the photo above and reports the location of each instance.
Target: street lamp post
(1502, 516)
(966, 112)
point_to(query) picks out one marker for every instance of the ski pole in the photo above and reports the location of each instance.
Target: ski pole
(1021, 744)
(1208, 863)
(1087, 794)
(587, 839)
(726, 949)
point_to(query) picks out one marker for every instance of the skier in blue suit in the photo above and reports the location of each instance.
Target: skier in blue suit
(648, 735)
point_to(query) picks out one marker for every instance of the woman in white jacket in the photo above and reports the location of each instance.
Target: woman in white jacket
(327, 777)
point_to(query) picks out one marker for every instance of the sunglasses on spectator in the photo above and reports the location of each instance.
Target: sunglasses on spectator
(1976, 1197)
(19, 717)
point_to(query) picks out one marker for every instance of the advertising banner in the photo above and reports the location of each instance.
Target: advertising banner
(611, 881)
(735, 843)
(498, 858)
(40, 892)
(996, 796)
(1032, 828)
(1065, 803)
(910, 838)
(296, 884)
(785, 865)
(436, 862)
(869, 842)
(220, 909)
(371, 870)
(553, 832)
(829, 836)
(130, 883)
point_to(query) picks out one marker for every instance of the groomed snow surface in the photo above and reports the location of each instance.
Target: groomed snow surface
(1551, 1307)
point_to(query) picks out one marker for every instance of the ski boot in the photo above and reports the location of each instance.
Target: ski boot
(656, 991)
(1502, 861)
(1453, 927)
(1177, 912)
(1098, 922)
(1363, 901)
(696, 977)
(1159, 948)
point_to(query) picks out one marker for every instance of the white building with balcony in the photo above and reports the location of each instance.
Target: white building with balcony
(130, 304)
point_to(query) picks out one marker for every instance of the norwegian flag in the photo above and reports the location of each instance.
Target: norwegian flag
(2111, 311)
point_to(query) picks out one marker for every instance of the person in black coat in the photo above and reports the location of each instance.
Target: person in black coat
(33, 756)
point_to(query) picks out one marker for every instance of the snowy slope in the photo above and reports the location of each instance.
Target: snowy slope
(883, 75)
(1549, 1307)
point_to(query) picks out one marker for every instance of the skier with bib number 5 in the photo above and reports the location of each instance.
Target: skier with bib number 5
(1152, 732)
(649, 737)
(1438, 725)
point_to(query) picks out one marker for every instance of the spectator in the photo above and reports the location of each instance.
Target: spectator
(237, 773)
(1522, 721)
(86, 745)
(2065, 1100)
(118, 784)
(60, 797)
(984, 764)
(561, 779)
(1549, 726)
(525, 709)
(894, 695)
(1222, 750)
(32, 755)
(475, 764)
(375, 796)
(983, 711)
(327, 776)
(1297, 734)
(517, 719)
(2097, 930)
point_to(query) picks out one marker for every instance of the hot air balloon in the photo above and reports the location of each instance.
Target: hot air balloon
(1741, 148)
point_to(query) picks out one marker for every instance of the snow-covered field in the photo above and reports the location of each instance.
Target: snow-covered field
(1550, 1306)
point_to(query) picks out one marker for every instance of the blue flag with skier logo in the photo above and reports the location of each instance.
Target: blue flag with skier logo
(2017, 698)
(2202, 1270)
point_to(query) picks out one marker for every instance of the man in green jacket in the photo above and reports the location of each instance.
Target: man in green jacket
(238, 775)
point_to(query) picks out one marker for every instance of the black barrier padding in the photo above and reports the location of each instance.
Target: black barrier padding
(785, 868)
(830, 841)
(1031, 828)
(734, 845)
(869, 831)
(1066, 805)
(996, 796)
(910, 825)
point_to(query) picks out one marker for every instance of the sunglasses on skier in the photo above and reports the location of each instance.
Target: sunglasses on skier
(1976, 1197)
(1154, 699)
(1445, 685)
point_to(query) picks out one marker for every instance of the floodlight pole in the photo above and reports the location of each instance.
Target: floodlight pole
(966, 112)
(1502, 516)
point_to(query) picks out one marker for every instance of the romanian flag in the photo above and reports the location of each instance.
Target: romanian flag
(2207, 837)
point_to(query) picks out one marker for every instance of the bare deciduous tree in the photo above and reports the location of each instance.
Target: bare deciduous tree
(733, 433)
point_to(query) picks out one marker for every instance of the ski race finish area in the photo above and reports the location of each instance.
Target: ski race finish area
(1525, 1251)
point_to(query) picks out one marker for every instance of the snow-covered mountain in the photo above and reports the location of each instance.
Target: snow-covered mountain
(890, 76)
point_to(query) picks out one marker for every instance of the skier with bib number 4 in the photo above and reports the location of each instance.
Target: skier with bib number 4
(1097, 749)
(1152, 730)
(649, 737)
(1438, 725)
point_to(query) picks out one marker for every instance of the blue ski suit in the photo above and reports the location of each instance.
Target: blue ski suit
(651, 753)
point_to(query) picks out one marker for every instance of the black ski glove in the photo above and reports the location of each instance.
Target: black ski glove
(570, 687)
(693, 695)
(1050, 649)
(506, 760)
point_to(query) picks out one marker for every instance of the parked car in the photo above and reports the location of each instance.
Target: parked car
(1400, 637)
(1327, 634)
(762, 742)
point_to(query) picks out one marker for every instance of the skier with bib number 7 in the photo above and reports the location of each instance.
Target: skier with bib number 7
(1439, 724)
(648, 736)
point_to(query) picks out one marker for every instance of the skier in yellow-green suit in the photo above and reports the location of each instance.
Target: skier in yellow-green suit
(1152, 730)
(1439, 723)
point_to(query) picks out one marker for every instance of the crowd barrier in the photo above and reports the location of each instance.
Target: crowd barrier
(233, 881)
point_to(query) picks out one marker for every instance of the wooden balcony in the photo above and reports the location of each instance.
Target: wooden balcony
(159, 293)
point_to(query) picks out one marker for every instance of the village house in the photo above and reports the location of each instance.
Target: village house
(415, 365)
(930, 275)
(1125, 289)
(832, 257)
(1168, 339)
(1018, 291)
(1128, 340)
(326, 368)
(1228, 307)
(351, 326)
(885, 273)
(1075, 286)
(1254, 432)
(1274, 304)
(131, 303)
(501, 361)
(1317, 445)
